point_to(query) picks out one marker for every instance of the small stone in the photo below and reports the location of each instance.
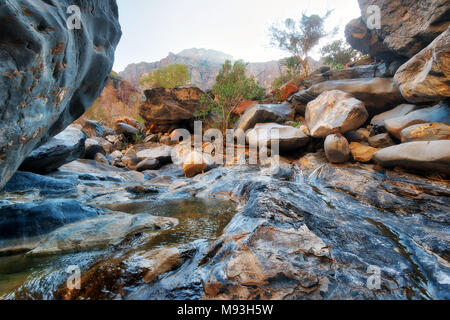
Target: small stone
(380, 141)
(362, 153)
(337, 149)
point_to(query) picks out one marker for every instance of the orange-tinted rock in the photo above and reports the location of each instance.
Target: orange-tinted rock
(288, 90)
(243, 106)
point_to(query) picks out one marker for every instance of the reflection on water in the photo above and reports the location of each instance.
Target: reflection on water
(37, 277)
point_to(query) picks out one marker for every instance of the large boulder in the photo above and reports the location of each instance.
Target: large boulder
(419, 155)
(63, 148)
(23, 225)
(426, 77)
(264, 113)
(337, 149)
(367, 41)
(164, 108)
(378, 94)
(408, 26)
(438, 113)
(334, 112)
(50, 74)
(426, 132)
(288, 138)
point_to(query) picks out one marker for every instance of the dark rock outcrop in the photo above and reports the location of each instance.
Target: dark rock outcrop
(65, 147)
(50, 75)
(166, 109)
(408, 26)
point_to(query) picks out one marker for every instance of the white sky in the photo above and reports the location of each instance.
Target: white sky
(153, 28)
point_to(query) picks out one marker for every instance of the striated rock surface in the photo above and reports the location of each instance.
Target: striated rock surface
(426, 132)
(334, 112)
(378, 94)
(420, 155)
(65, 147)
(170, 108)
(426, 76)
(397, 112)
(50, 75)
(410, 25)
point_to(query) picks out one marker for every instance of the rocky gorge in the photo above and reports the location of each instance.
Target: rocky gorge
(359, 192)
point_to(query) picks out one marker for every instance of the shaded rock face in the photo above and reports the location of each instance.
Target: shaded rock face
(65, 147)
(378, 94)
(50, 75)
(426, 132)
(337, 149)
(382, 140)
(419, 155)
(410, 25)
(438, 113)
(264, 113)
(22, 226)
(170, 108)
(426, 76)
(289, 139)
(367, 41)
(334, 112)
(399, 111)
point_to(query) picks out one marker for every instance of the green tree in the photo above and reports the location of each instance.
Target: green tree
(232, 86)
(338, 54)
(170, 76)
(299, 38)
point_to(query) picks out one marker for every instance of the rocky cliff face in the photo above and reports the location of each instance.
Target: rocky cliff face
(50, 75)
(204, 65)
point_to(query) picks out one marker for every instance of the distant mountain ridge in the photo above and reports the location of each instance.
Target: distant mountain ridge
(204, 65)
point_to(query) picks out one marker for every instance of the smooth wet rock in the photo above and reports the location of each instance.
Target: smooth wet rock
(100, 232)
(362, 153)
(410, 25)
(61, 149)
(264, 113)
(29, 182)
(148, 164)
(93, 147)
(438, 113)
(399, 111)
(377, 94)
(337, 148)
(23, 225)
(425, 78)
(288, 138)
(428, 156)
(334, 112)
(382, 140)
(426, 132)
(50, 74)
